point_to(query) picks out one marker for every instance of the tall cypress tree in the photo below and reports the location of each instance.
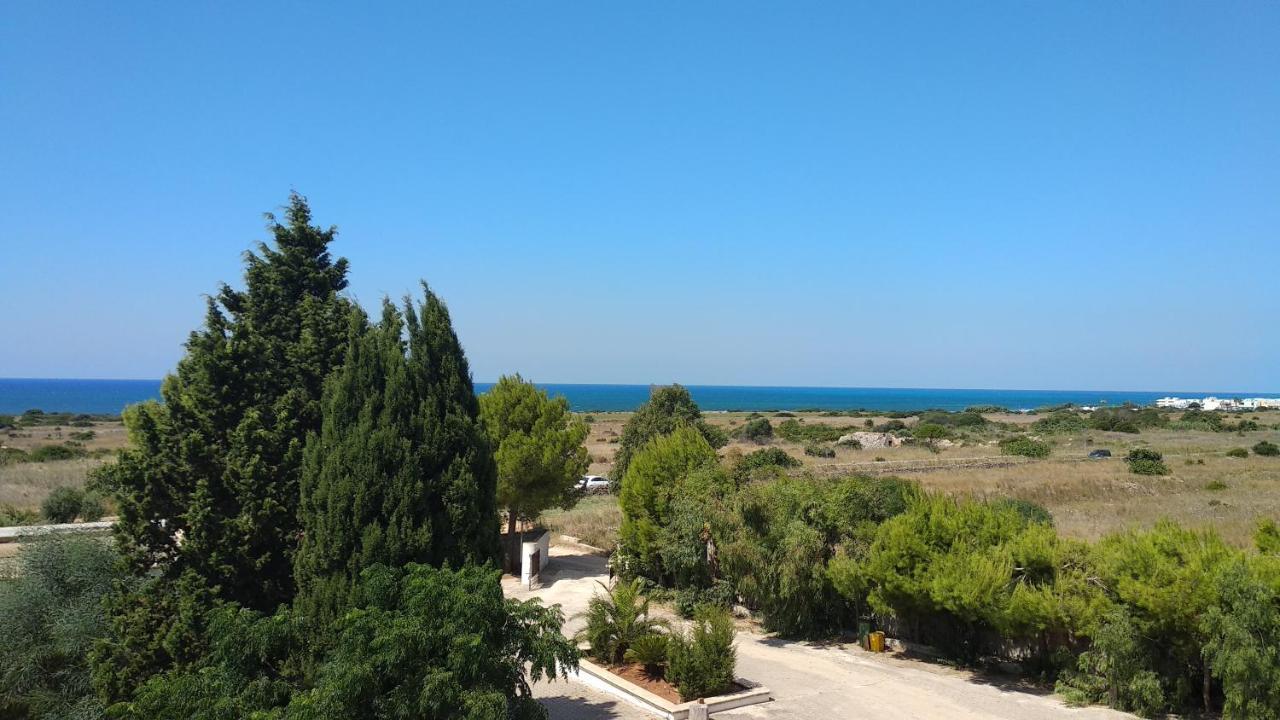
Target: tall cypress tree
(208, 491)
(401, 470)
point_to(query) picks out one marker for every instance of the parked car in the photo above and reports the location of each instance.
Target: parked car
(1099, 454)
(593, 484)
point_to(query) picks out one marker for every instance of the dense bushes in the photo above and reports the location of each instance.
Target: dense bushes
(745, 467)
(758, 431)
(1061, 421)
(50, 617)
(419, 642)
(50, 453)
(1143, 461)
(65, 504)
(1238, 452)
(966, 419)
(1266, 449)
(1024, 446)
(798, 431)
(702, 660)
(786, 540)
(822, 451)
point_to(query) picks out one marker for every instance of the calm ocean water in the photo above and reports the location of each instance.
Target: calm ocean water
(111, 396)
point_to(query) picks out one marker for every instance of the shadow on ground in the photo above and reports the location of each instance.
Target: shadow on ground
(576, 708)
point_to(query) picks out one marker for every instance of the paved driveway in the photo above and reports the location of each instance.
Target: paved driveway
(808, 680)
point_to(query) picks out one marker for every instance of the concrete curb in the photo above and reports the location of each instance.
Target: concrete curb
(599, 678)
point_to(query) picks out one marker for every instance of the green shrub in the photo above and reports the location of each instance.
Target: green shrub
(702, 660)
(1215, 485)
(822, 451)
(930, 431)
(756, 431)
(800, 432)
(1266, 449)
(1062, 421)
(1238, 452)
(51, 616)
(616, 620)
(1034, 513)
(10, 516)
(47, 453)
(764, 457)
(650, 651)
(1024, 446)
(92, 507)
(63, 505)
(720, 593)
(966, 419)
(1146, 462)
(12, 456)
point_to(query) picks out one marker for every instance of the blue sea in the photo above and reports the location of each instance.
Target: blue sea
(111, 396)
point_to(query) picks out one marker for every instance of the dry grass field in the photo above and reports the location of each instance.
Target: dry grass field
(1088, 498)
(26, 485)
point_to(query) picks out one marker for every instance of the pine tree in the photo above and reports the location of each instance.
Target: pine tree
(538, 448)
(208, 491)
(401, 471)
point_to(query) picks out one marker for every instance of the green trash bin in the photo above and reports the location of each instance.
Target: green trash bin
(864, 634)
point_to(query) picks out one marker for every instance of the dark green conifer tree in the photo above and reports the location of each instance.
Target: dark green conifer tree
(207, 493)
(401, 470)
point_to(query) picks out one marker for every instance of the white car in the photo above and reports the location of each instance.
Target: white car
(593, 484)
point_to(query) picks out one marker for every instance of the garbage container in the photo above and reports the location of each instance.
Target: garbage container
(864, 634)
(876, 640)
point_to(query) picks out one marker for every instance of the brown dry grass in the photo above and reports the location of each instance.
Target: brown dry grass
(26, 485)
(594, 520)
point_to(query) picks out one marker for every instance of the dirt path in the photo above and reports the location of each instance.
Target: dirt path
(808, 680)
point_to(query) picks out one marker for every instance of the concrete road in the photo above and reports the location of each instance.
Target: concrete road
(808, 680)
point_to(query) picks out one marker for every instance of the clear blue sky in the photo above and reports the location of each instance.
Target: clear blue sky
(1013, 195)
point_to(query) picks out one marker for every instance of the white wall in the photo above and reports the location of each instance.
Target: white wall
(540, 545)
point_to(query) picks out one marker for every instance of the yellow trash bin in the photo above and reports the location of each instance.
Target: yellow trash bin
(877, 641)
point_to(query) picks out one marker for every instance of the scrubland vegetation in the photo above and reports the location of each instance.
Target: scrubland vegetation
(1153, 618)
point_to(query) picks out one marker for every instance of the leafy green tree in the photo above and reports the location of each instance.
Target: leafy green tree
(207, 492)
(668, 408)
(1244, 652)
(796, 549)
(538, 445)
(648, 490)
(401, 470)
(438, 643)
(419, 642)
(50, 617)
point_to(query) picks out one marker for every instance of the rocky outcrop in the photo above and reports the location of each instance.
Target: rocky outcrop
(870, 440)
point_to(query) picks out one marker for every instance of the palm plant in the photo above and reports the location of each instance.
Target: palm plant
(616, 620)
(650, 651)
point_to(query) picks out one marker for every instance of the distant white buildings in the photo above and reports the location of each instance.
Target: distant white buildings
(1214, 403)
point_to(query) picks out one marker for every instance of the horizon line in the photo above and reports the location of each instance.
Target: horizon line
(776, 387)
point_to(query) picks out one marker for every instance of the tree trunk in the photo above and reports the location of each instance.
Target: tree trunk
(1208, 694)
(513, 544)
